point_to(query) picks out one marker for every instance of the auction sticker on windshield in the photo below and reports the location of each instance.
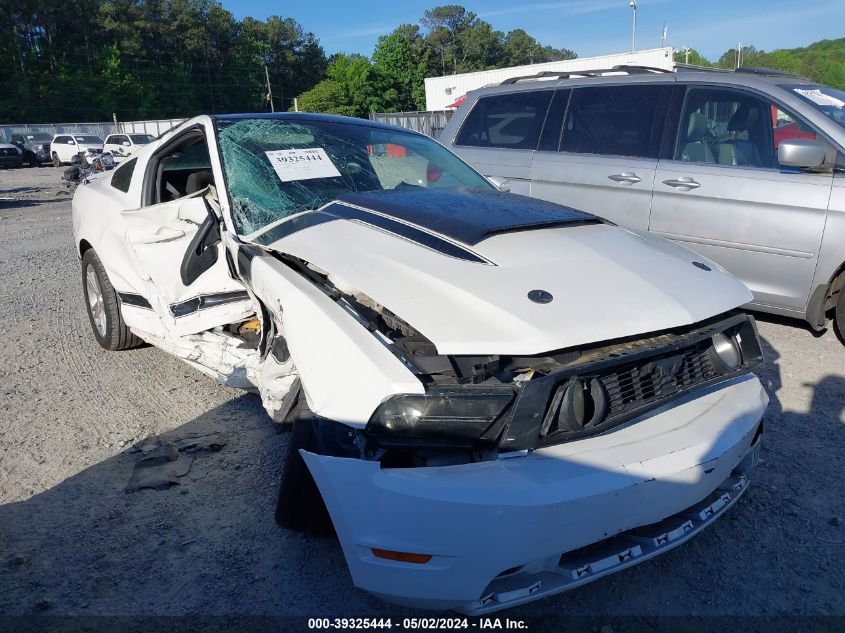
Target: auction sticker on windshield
(302, 164)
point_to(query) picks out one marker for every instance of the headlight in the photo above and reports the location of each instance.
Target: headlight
(452, 417)
(726, 352)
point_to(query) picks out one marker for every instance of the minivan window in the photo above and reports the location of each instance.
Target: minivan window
(616, 120)
(512, 120)
(735, 128)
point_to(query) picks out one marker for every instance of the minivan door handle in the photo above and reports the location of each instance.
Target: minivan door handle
(626, 178)
(684, 183)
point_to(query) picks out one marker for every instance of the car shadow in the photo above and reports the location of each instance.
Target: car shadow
(789, 322)
(207, 545)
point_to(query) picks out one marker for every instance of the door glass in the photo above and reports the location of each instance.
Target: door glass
(511, 120)
(616, 120)
(727, 127)
(788, 127)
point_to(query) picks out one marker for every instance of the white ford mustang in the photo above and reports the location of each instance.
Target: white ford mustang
(493, 398)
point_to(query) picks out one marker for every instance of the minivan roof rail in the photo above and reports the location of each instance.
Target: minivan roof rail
(758, 70)
(751, 70)
(565, 74)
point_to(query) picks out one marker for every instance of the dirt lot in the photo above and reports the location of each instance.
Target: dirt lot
(72, 541)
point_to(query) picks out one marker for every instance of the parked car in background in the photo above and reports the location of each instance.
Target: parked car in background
(10, 156)
(35, 147)
(65, 146)
(122, 145)
(481, 385)
(745, 167)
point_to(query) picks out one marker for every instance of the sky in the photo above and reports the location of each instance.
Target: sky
(589, 27)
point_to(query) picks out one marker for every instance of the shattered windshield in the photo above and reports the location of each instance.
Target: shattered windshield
(278, 167)
(829, 101)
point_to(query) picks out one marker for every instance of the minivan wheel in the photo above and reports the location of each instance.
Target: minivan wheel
(840, 315)
(56, 161)
(103, 308)
(300, 505)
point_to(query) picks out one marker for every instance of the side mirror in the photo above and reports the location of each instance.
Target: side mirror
(801, 152)
(125, 143)
(502, 184)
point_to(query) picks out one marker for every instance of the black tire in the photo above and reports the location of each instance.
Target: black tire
(840, 315)
(56, 161)
(300, 506)
(106, 321)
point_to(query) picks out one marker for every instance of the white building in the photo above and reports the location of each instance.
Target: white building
(442, 92)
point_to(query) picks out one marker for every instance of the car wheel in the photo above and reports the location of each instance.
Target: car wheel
(56, 161)
(300, 506)
(103, 307)
(840, 315)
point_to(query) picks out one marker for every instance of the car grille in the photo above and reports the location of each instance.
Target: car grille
(637, 385)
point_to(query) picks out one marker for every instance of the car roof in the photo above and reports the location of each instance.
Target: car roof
(313, 116)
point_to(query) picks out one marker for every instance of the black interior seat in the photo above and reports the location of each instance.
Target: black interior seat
(198, 181)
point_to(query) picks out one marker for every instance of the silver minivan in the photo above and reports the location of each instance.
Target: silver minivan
(745, 167)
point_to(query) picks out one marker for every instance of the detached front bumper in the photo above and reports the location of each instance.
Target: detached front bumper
(504, 532)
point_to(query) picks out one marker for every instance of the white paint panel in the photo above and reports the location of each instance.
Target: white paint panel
(544, 504)
(346, 372)
(607, 284)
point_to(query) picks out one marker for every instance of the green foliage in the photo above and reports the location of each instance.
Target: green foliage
(400, 61)
(694, 57)
(327, 96)
(822, 61)
(83, 60)
(450, 39)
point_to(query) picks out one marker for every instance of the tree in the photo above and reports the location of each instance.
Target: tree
(694, 58)
(328, 97)
(521, 49)
(351, 88)
(400, 61)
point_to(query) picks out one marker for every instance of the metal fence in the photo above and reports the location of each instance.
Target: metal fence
(429, 123)
(102, 129)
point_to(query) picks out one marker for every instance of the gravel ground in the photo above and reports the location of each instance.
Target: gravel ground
(73, 542)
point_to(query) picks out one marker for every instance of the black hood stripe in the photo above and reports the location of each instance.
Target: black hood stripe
(467, 216)
(340, 211)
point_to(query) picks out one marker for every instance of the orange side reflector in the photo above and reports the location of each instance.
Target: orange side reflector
(403, 557)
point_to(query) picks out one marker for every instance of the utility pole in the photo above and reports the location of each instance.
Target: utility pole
(739, 55)
(633, 5)
(269, 90)
(686, 55)
(663, 35)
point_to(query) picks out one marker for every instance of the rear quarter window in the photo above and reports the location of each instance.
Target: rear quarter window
(122, 176)
(511, 120)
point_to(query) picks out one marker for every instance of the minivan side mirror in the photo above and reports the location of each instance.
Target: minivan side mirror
(801, 152)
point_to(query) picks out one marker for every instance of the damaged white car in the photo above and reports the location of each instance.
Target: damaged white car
(494, 398)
